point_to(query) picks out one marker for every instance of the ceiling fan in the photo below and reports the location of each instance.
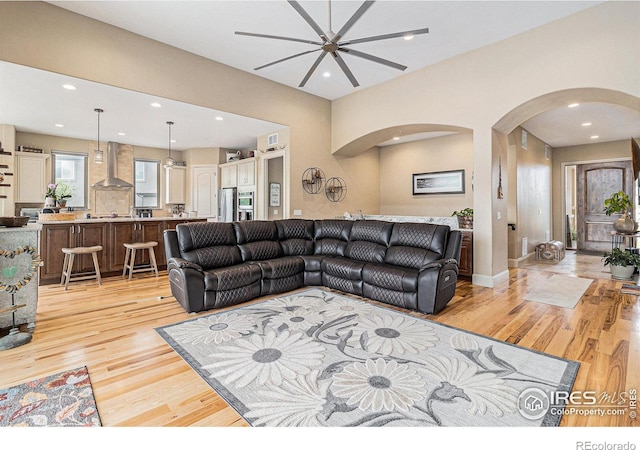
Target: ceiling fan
(332, 43)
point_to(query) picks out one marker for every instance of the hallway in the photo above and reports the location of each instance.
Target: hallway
(574, 264)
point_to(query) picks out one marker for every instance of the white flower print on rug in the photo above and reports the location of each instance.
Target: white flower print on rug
(317, 358)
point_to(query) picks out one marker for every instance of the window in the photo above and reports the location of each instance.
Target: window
(71, 169)
(147, 183)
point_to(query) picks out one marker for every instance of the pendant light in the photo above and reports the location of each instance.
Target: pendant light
(98, 155)
(169, 162)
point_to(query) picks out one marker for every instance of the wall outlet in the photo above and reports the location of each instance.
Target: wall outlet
(297, 212)
(275, 212)
(499, 215)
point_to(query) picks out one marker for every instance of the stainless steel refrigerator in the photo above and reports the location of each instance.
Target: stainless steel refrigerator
(227, 205)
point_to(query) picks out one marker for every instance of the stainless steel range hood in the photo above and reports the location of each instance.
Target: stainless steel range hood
(112, 182)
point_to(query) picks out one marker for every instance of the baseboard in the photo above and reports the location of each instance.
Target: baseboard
(516, 262)
(490, 281)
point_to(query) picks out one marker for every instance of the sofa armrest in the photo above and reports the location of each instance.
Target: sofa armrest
(179, 263)
(187, 284)
(441, 263)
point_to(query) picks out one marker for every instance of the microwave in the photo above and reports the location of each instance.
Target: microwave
(245, 200)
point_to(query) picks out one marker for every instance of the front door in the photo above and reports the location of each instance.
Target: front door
(595, 183)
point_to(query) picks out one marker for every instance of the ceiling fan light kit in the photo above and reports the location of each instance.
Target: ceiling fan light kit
(332, 43)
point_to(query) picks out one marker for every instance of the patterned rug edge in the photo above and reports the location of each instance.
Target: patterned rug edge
(28, 408)
(567, 379)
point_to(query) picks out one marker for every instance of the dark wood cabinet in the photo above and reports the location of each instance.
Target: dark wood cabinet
(110, 235)
(55, 237)
(465, 265)
(128, 232)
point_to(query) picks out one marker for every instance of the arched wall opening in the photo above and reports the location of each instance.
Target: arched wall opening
(509, 244)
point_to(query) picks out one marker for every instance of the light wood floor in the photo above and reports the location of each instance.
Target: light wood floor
(139, 380)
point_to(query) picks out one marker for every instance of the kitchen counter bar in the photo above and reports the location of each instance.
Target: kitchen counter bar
(122, 219)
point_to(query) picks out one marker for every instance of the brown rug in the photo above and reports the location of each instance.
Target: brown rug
(61, 400)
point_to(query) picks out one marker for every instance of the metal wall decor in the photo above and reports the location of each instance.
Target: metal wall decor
(313, 180)
(336, 189)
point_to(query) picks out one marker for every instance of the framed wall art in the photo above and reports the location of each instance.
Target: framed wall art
(446, 182)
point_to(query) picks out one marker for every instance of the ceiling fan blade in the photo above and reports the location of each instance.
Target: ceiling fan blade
(314, 66)
(345, 69)
(287, 58)
(373, 58)
(385, 36)
(283, 38)
(308, 19)
(363, 8)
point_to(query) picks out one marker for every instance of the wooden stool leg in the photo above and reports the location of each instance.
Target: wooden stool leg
(131, 264)
(126, 261)
(69, 269)
(152, 257)
(94, 255)
(64, 268)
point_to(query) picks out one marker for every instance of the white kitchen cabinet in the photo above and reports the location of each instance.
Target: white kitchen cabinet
(31, 182)
(246, 173)
(175, 186)
(228, 175)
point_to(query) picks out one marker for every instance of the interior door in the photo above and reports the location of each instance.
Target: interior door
(204, 182)
(595, 183)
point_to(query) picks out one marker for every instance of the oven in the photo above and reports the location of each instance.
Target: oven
(32, 213)
(245, 205)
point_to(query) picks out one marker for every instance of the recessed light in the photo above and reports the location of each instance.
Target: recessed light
(219, 118)
(396, 138)
(326, 74)
(586, 124)
(173, 141)
(574, 105)
(69, 87)
(156, 105)
(595, 136)
(122, 134)
(408, 37)
(59, 125)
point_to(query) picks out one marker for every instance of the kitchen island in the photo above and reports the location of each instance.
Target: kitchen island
(109, 232)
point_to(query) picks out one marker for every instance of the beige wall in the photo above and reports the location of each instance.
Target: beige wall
(595, 48)
(399, 162)
(617, 150)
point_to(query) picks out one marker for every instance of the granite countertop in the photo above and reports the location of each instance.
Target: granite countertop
(122, 219)
(27, 227)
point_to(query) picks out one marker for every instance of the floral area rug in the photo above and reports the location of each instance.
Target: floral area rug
(317, 358)
(61, 400)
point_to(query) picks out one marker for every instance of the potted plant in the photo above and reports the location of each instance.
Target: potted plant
(63, 193)
(623, 263)
(465, 217)
(620, 203)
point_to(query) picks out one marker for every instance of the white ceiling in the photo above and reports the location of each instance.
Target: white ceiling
(34, 101)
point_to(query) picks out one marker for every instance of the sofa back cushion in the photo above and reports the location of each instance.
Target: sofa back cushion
(258, 240)
(208, 244)
(369, 240)
(331, 236)
(295, 236)
(415, 244)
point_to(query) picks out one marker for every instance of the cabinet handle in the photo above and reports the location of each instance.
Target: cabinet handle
(79, 228)
(73, 229)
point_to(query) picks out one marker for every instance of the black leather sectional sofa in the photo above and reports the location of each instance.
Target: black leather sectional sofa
(217, 264)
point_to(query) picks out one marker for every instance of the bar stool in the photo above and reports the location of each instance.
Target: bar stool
(130, 258)
(67, 265)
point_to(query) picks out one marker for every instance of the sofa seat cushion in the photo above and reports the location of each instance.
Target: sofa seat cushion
(281, 267)
(226, 278)
(391, 277)
(344, 268)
